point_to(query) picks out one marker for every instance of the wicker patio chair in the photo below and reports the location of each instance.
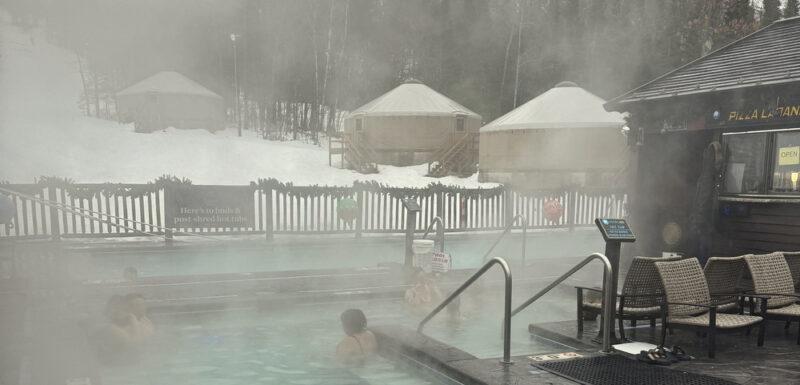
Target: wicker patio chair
(688, 304)
(793, 260)
(772, 278)
(640, 299)
(723, 276)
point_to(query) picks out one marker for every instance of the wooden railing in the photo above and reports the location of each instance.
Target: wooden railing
(87, 210)
(361, 156)
(452, 158)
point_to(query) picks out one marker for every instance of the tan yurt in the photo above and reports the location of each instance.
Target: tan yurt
(170, 99)
(412, 124)
(561, 138)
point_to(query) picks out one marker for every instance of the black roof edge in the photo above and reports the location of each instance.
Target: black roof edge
(785, 19)
(615, 105)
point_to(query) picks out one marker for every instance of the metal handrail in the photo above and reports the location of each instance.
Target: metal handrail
(508, 230)
(507, 308)
(608, 295)
(439, 231)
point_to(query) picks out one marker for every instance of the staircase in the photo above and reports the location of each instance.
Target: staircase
(461, 158)
(336, 146)
(359, 156)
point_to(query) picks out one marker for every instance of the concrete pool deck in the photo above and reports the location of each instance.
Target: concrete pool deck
(455, 363)
(738, 360)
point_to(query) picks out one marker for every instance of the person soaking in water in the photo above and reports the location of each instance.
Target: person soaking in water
(424, 290)
(142, 326)
(360, 343)
(117, 341)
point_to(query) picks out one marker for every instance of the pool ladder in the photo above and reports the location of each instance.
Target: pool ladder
(440, 234)
(607, 305)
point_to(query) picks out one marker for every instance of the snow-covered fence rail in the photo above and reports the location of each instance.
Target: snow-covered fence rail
(53, 211)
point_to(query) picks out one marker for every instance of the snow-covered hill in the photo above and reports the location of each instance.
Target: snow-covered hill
(44, 133)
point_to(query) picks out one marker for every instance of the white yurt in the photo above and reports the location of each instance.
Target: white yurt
(170, 99)
(410, 123)
(561, 138)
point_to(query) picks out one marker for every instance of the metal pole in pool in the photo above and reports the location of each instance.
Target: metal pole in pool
(412, 208)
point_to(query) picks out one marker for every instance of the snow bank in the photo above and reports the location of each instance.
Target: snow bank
(44, 133)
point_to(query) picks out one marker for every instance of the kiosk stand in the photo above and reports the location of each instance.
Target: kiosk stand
(412, 208)
(614, 231)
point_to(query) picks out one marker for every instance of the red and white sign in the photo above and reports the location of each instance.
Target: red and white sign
(441, 262)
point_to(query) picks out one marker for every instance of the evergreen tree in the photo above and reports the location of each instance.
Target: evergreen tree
(739, 10)
(771, 12)
(792, 8)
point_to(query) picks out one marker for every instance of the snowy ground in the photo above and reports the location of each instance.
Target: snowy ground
(44, 133)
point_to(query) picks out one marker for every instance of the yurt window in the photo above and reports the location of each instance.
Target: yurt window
(460, 124)
(358, 125)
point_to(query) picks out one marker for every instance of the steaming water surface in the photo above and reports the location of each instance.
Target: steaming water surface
(295, 345)
(305, 254)
(290, 343)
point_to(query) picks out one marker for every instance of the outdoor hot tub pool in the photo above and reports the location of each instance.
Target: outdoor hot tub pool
(295, 345)
(286, 332)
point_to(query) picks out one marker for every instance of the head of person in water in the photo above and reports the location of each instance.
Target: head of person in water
(117, 310)
(136, 304)
(353, 321)
(130, 274)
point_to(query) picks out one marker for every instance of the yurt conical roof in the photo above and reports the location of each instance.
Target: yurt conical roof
(413, 98)
(564, 106)
(168, 82)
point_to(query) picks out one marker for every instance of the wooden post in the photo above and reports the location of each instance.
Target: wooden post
(440, 202)
(268, 228)
(359, 218)
(55, 228)
(570, 209)
(440, 205)
(508, 206)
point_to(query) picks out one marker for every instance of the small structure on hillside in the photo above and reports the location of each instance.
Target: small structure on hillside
(411, 124)
(170, 99)
(562, 137)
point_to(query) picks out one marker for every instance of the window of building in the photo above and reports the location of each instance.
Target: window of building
(359, 125)
(460, 125)
(786, 162)
(745, 163)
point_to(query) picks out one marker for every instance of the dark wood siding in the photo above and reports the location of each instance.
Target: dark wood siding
(767, 227)
(669, 165)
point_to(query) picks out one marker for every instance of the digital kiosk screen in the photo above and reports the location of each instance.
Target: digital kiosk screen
(615, 230)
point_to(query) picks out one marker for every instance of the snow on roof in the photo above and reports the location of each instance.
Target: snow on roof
(413, 98)
(564, 106)
(168, 82)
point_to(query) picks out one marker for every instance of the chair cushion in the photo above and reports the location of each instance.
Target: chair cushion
(727, 306)
(792, 310)
(724, 321)
(598, 306)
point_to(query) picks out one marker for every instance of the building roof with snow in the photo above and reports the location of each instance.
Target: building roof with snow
(564, 106)
(168, 82)
(413, 98)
